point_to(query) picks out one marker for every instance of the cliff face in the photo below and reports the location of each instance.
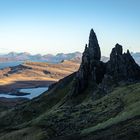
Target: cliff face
(92, 69)
(120, 67)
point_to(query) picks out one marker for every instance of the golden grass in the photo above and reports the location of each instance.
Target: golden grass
(36, 73)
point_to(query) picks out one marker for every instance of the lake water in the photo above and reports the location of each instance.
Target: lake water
(34, 92)
(9, 64)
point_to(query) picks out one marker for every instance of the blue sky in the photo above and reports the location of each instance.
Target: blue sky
(52, 26)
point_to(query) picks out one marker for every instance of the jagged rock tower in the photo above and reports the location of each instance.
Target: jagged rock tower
(92, 69)
(93, 72)
(122, 66)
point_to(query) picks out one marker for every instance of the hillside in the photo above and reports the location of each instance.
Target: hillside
(84, 121)
(35, 74)
(100, 101)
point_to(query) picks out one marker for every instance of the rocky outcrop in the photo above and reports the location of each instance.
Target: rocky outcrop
(92, 69)
(93, 47)
(120, 67)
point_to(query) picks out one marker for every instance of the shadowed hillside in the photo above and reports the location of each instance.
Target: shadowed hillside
(100, 101)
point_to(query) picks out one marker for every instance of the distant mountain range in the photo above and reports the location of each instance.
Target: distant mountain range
(25, 56)
(136, 56)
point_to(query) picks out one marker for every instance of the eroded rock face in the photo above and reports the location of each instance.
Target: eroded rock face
(92, 71)
(93, 46)
(122, 66)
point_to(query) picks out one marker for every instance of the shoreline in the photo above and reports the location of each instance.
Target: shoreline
(27, 93)
(15, 88)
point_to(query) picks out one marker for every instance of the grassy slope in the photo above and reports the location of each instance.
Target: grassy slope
(130, 96)
(37, 106)
(85, 119)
